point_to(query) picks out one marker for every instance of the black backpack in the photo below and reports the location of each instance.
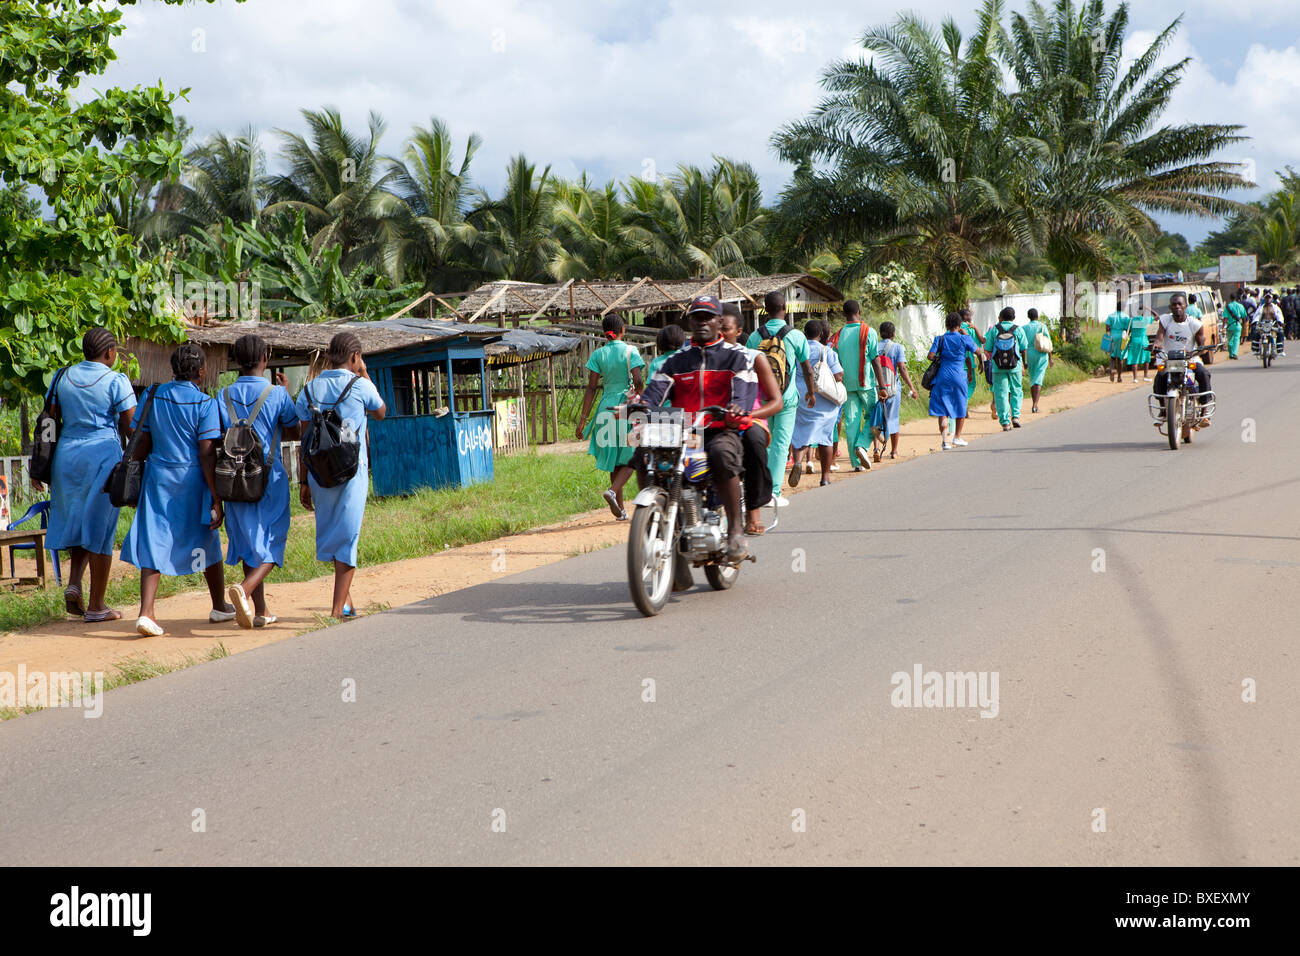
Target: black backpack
(332, 449)
(243, 470)
(1006, 351)
(45, 435)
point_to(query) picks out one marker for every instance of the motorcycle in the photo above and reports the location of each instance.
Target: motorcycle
(679, 522)
(1178, 412)
(1264, 341)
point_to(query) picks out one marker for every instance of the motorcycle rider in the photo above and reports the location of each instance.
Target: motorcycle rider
(1270, 309)
(1183, 333)
(710, 371)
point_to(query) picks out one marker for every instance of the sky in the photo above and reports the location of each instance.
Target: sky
(632, 87)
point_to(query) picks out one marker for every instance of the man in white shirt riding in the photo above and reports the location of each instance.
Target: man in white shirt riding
(1177, 332)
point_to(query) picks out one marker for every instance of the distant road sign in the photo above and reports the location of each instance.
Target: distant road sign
(1237, 269)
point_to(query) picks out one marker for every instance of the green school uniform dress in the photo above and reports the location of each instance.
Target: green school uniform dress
(1138, 352)
(1035, 361)
(782, 423)
(1118, 323)
(613, 362)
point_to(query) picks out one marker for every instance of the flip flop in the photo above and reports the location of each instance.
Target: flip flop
(611, 499)
(72, 602)
(754, 530)
(736, 555)
(99, 617)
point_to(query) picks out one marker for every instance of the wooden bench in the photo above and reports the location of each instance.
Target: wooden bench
(35, 536)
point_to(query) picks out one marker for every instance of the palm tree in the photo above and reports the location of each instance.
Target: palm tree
(334, 179)
(223, 178)
(515, 234)
(425, 205)
(1274, 239)
(596, 239)
(914, 151)
(1101, 166)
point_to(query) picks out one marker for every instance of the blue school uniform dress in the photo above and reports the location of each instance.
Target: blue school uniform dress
(256, 531)
(339, 510)
(949, 395)
(816, 425)
(885, 415)
(170, 532)
(91, 396)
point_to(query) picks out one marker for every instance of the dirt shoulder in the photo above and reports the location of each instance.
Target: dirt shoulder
(75, 646)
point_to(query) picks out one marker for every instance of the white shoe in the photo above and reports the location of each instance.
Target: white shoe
(807, 468)
(947, 447)
(864, 457)
(835, 467)
(780, 501)
(220, 617)
(264, 619)
(145, 627)
(960, 441)
(243, 612)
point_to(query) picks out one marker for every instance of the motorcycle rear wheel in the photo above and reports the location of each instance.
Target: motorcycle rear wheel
(650, 541)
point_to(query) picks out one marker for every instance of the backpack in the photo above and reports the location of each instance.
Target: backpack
(888, 377)
(773, 347)
(1006, 352)
(45, 435)
(332, 449)
(243, 472)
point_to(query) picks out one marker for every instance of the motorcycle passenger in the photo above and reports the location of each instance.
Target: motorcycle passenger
(1270, 311)
(710, 371)
(758, 476)
(1176, 331)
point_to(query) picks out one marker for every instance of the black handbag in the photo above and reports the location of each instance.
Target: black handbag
(931, 373)
(45, 435)
(127, 477)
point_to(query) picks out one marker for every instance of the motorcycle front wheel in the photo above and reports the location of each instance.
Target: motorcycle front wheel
(650, 557)
(1172, 425)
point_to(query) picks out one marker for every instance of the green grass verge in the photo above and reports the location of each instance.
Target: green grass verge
(529, 490)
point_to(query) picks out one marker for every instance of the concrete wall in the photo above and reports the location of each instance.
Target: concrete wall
(919, 324)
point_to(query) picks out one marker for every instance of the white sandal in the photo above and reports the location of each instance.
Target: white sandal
(243, 613)
(146, 627)
(262, 620)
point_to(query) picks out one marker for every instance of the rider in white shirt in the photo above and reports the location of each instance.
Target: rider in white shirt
(1279, 327)
(1178, 332)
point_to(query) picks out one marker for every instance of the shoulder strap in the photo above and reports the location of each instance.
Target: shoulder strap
(784, 331)
(54, 387)
(344, 394)
(257, 406)
(134, 440)
(311, 402)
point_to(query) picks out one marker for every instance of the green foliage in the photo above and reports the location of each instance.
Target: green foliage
(890, 289)
(75, 269)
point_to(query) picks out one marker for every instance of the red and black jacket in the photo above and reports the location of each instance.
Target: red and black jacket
(699, 376)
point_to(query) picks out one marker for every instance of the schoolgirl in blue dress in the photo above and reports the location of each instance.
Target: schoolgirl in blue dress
(96, 405)
(339, 510)
(256, 531)
(176, 522)
(949, 394)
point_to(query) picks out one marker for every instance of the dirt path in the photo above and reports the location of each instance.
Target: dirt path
(74, 646)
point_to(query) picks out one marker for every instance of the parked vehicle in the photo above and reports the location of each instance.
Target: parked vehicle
(1156, 299)
(679, 522)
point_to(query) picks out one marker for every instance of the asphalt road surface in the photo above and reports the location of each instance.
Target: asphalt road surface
(507, 723)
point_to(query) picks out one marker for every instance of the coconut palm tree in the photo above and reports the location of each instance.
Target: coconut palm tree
(335, 179)
(516, 239)
(914, 151)
(596, 239)
(425, 205)
(222, 178)
(1102, 166)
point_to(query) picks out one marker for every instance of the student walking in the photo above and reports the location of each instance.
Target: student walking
(884, 419)
(1235, 314)
(614, 370)
(669, 340)
(1006, 344)
(346, 388)
(786, 350)
(972, 366)
(1036, 363)
(948, 394)
(858, 347)
(175, 526)
(96, 406)
(815, 424)
(256, 531)
(1117, 323)
(1138, 352)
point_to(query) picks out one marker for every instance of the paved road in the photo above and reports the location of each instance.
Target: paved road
(1119, 690)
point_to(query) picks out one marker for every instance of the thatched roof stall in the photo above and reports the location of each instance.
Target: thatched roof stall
(509, 301)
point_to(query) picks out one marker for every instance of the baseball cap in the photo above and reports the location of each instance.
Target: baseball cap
(705, 303)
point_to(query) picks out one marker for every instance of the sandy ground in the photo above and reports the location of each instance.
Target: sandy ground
(75, 646)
